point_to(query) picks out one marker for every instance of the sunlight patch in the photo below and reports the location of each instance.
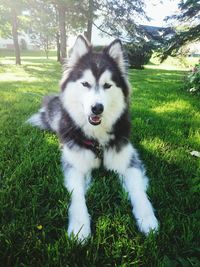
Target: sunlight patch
(51, 139)
(177, 105)
(155, 144)
(16, 78)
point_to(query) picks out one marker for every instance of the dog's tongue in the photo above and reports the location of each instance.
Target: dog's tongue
(95, 118)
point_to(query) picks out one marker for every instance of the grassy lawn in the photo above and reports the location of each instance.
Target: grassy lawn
(34, 202)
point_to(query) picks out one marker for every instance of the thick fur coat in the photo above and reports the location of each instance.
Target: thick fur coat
(91, 118)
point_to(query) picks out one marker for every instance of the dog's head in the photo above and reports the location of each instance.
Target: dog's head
(94, 85)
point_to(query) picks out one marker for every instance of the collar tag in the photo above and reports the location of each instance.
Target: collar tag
(99, 151)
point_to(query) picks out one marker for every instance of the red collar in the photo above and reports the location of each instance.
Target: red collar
(94, 146)
(89, 142)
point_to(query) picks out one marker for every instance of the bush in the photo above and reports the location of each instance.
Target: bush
(193, 79)
(98, 48)
(138, 56)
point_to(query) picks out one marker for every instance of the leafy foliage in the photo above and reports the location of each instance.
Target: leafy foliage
(189, 10)
(5, 25)
(193, 79)
(6, 17)
(42, 24)
(121, 18)
(189, 16)
(75, 14)
(138, 56)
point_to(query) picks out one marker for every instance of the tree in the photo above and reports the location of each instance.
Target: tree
(14, 22)
(71, 18)
(61, 7)
(119, 18)
(11, 9)
(91, 8)
(43, 24)
(189, 31)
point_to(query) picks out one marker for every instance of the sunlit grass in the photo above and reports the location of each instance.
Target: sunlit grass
(173, 63)
(34, 202)
(177, 105)
(21, 75)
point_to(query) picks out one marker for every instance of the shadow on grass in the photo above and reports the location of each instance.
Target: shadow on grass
(44, 71)
(38, 68)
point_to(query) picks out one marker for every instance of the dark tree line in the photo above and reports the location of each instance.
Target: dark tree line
(52, 21)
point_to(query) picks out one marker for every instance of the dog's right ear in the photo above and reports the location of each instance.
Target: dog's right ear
(80, 48)
(115, 51)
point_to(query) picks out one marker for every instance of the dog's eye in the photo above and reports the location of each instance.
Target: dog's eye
(106, 85)
(86, 84)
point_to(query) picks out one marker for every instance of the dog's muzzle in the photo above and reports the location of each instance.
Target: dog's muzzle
(95, 117)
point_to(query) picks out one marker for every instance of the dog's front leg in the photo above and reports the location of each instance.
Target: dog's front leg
(127, 164)
(77, 166)
(135, 185)
(79, 219)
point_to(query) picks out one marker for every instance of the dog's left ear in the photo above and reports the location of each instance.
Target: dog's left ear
(80, 48)
(114, 50)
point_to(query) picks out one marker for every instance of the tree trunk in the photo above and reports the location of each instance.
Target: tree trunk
(90, 20)
(47, 48)
(15, 36)
(61, 18)
(58, 46)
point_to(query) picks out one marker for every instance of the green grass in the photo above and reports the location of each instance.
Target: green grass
(9, 53)
(178, 63)
(165, 128)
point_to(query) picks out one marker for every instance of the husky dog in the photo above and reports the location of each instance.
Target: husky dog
(90, 116)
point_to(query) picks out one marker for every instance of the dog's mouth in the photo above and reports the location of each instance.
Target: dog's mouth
(94, 119)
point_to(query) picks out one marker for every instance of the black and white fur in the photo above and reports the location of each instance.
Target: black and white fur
(93, 105)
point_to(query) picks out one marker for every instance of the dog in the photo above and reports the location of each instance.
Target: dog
(91, 118)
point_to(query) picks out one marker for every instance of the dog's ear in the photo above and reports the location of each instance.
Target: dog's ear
(80, 48)
(115, 51)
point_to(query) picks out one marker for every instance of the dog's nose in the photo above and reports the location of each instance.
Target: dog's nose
(97, 109)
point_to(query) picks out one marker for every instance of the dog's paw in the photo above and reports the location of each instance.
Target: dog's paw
(147, 224)
(80, 229)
